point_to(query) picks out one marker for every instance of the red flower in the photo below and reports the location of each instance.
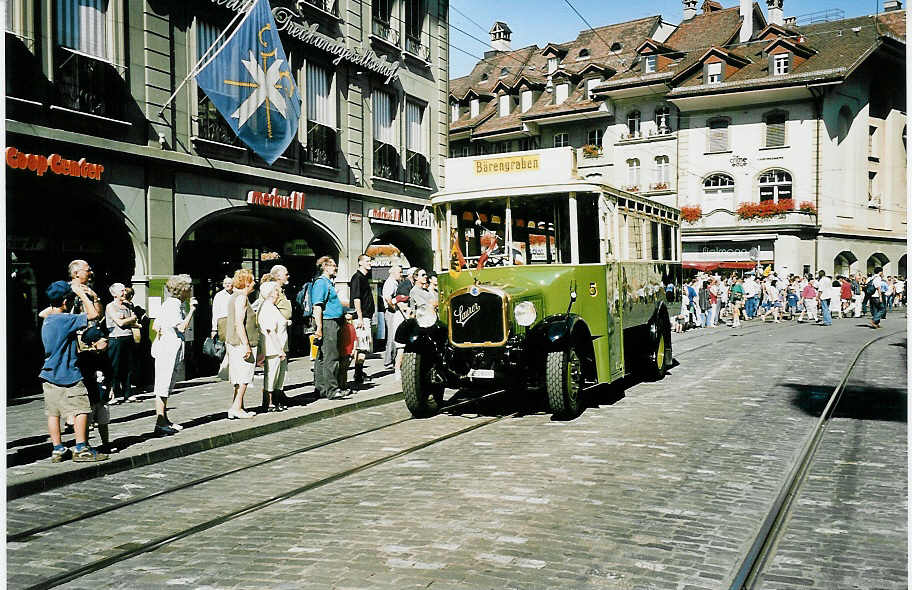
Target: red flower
(691, 214)
(807, 207)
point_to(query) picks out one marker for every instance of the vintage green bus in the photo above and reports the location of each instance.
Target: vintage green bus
(547, 281)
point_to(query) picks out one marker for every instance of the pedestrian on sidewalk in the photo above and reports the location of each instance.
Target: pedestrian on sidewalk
(858, 297)
(119, 320)
(168, 348)
(220, 309)
(403, 312)
(390, 314)
(93, 362)
(773, 296)
(61, 380)
(242, 336)
(737, 299)
(363, 302)
(876, 289)
(329, 317)
(279, 275)
(809, 295)
(825, 296)
(138, 370)
(274, 329)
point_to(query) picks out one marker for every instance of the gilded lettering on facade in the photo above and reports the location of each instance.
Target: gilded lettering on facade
(507, 165)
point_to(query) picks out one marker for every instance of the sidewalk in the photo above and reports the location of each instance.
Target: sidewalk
(199, 405)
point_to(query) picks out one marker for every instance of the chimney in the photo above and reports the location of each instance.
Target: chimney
(774, 12)
(791, 21)
(690, 9)
(500, 37)
(747, 20)
(891, 5)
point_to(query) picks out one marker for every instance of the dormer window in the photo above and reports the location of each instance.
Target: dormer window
(780, 64)
(504, 72)
(714, 73)
(484, 77)
(504, 104)
(525, 100)
(616, 46)
(650, 62)
(454, 112)
(561, 92)
(473, 108)
(583, 53)
(590, 84)
(552, 65)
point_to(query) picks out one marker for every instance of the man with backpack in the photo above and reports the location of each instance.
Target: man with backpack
(329, 316)
(874, 291)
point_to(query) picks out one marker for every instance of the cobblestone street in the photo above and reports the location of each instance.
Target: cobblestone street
(659, 485)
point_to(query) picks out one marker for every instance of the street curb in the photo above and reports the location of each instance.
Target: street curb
(42, 484)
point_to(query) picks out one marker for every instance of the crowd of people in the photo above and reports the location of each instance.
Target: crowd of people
(92, 352)
(708, 301)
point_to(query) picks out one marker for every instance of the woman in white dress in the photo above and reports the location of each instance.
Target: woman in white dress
(168, 348)
(274, 332)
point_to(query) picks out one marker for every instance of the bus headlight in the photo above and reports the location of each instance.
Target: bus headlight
(426, 316)
(524, 313)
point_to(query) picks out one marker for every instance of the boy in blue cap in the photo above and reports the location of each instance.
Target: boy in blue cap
(61, 380)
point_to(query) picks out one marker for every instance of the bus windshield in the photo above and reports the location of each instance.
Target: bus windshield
(510, 231)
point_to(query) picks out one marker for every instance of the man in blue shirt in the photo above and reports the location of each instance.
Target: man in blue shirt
(64, 392)
(329, 317)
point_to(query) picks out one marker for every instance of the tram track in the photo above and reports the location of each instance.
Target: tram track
(137, 549)
(764, 544)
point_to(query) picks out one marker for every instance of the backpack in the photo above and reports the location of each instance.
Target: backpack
(304, 300)
(870, 289)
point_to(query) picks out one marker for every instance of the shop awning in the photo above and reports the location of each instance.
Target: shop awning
(704, 266)
(731, 264)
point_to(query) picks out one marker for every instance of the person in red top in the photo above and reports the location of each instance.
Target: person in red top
(845, 296)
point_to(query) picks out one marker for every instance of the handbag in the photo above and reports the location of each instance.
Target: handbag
(214, 348)
(365, 342)
(137, 335)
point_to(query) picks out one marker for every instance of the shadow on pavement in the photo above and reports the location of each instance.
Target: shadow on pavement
(860, 403)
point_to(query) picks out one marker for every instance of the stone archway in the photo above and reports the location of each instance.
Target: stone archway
(902, 266)
(415, 246)
(878, 259)
(844, 263)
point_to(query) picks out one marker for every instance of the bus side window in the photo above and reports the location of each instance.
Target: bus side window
(587, 215)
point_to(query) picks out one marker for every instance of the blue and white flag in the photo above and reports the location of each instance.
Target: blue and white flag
(250, 83)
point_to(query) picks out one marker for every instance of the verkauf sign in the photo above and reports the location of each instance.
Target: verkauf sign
(55, 163)
(407, 217)
(290, 22)
(294, 201)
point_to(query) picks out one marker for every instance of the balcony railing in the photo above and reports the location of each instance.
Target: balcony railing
(383, 30)
(416, 169)
(321, 145)
(212, 127)
(87, 84)
(413, 45)
(386, 161)
(328, 6)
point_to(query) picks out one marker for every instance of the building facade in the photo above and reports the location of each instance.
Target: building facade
(101, 166)
(778, 141)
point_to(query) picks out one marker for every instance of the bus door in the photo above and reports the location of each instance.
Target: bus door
(615, 326)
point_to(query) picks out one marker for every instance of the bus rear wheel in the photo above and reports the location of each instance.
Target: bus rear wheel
(564, 382)
(659, 355)
(423, 397)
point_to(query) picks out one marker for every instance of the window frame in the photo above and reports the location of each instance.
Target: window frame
(776, 185)
(715, 77)
(562, 88)
(768, 120)
(599, 137)
(726, 124)
(634, 124)
(710, 189)
(650, 63)
(563, 142)
(777, 60)
(662, 112)
(633, 173)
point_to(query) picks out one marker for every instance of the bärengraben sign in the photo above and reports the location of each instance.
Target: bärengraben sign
(293, 25)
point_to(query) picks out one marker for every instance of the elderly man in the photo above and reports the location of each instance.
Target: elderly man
(220, 308)
(389, 315)
(92, 363)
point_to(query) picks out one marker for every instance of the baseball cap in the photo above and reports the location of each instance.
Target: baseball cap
(57, 292)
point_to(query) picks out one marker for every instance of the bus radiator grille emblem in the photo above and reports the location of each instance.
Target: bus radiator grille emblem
(464, 314)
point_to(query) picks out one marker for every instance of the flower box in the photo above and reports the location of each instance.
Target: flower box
(691, 214)
(807, 207)
(591, 151)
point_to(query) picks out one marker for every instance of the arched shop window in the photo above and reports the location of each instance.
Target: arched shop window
(717, 184)
(775, 185)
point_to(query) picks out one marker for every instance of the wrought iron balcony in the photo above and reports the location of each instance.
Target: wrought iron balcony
(87, 84)
(417, 169)
(413, 45)
(212, 127)
(386, 161)
(321, 145)
(384, 30)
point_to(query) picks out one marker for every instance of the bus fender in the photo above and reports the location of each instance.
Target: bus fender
(429, 340)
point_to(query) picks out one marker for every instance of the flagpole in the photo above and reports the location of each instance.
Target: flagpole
(196, 68)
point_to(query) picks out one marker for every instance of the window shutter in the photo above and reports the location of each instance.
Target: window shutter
(504, 105)
(561, 93)
(81, 26)
(775, 131)
(321, 107)
(718, 136)
(414, 116)
(382, 104)
(526, 100)
(473, 108)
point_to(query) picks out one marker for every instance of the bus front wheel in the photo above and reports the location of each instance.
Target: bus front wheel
(564, 382)
(423, 396)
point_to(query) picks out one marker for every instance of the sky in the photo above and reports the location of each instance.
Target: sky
(537, 22)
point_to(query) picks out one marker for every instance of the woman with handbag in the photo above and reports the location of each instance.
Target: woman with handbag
(168, 348)
(119, 320)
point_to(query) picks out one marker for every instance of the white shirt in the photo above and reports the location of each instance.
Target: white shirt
(389, 290)
(274, 328)
(219, 307)
(169, 342)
